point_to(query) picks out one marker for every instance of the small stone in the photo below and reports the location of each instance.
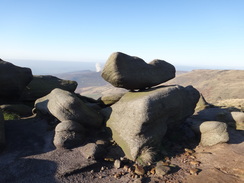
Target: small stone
(187, 154)
(184, 160)
(192, 157)
(122, 158)
(173, 165)
(165, 163)
(129, 170)
(195, 163)
(126, 168)
(92, 171)
(189, 151)
(139, 170)
(152, 171)
(100, 177)
(102, 168)
(109, 159)
(161, 169)
(101, 142)
(117, 163)
(194, 171)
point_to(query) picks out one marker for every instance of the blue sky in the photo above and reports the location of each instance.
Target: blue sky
(182, 32)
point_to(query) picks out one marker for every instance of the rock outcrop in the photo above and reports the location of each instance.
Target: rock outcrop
(139, 120)
(129, 72)
(2, 131)
(235, 118)
(213, 132)
(13, 80)
(44, 84)
(69, 134)
(65, 105)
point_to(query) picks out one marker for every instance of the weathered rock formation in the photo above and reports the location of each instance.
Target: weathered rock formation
(69, 134)
(139, 120)
(13, 80)
(44, 84)
(235, 119)
(65, 105)
(129, 72)
(213, 132)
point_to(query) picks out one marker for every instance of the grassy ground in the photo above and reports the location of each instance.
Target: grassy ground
(10, 116)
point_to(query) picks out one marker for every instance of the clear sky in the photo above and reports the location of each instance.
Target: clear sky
(182, 32)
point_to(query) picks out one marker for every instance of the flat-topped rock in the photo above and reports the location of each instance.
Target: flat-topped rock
(130, 72)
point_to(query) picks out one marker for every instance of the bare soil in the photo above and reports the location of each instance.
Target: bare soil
(31, 157)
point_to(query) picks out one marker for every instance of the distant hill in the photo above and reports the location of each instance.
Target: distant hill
(87, 78)
(215, 85)
(84, 78)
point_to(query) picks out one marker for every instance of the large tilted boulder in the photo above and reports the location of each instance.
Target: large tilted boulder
(65, 105)
(13, 80)
(69, 134)
(129, 72)
(44, 84)
(139, 120)
(2, 131)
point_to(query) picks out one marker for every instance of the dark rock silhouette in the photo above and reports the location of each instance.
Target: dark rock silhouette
(13, 80)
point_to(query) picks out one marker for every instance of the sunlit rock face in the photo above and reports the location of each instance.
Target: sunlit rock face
(130, 72)
(139, 120)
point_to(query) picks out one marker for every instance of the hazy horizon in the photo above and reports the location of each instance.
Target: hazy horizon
(47, 67)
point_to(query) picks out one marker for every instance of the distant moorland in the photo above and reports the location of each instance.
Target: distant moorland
(215, 85)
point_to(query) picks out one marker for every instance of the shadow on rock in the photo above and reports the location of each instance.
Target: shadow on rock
(235, 136)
